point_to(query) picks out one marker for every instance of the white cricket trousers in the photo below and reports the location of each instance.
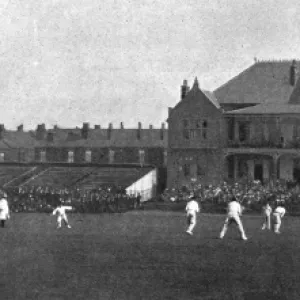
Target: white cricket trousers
(277, 222)
(191, 221)
(60, 219)
(267, 222)
(233, 219)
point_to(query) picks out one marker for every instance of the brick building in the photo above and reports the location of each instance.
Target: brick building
(249, 128)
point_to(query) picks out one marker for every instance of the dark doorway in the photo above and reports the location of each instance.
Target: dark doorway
(297, 175)
(258, 172)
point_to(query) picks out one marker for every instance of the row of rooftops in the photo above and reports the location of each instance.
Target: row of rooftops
(84, 137)
(266, 87)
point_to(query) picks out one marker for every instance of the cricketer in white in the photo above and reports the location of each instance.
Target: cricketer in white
(60, 211)
(234, 211)
(278, 214)
(4, 211)
(267, 211)
(192, 208)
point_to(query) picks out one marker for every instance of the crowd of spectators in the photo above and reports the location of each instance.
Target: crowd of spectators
(252, 194)
(44, 199)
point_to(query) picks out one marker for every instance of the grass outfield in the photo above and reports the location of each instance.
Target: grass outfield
(146, 255)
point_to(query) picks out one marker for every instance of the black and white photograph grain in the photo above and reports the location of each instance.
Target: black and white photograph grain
(149, 150)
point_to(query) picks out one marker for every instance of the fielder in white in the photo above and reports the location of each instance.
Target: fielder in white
(60, 211)
(267, 211)
(278, 214)
(192, 208)
(4, 211)
(234, 211)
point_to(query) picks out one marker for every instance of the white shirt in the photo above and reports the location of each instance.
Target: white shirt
(267, 210)
(4, 210)
(280, 210)
(234, 208)
(61, 211)
(192, 207)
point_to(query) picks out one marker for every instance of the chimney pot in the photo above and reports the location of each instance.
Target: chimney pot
(150, 126)
(85, 130)
(293, 73)
(109, 131)
(138, 133)
(184, 89)
(20, 128)
(162, 131)
(40, 131)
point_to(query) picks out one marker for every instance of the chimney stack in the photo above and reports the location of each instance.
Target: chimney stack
(150, 126)
(184, 89)
(41, 131)
(85, 130)
(109, 131)
(139, 131)
(162, 133)
(293, 73)
(121, 125)
(20, 128)
(97, 127)
(2, 129)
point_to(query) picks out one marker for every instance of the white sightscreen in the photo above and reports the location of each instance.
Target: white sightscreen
(145, 186)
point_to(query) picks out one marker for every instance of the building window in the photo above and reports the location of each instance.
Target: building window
(43, 156)
(186, 134)
(186, 170)
(200, 171)
(244, 132)
(193, 133)
(230, 128)
(1, 157)
(185, 123)
(111, 156)
(88, 156)
(165, 157)
(204, 130)
(142, 156)
(70, 156)
(22, 155)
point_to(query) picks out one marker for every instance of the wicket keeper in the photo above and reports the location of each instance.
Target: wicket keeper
(234, 211)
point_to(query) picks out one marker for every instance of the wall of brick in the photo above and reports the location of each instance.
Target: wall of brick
(209, 161)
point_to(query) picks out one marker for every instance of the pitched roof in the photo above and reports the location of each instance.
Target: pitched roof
(212, 98)
(194, 91)
(263, 82)
(17, 139)
(99, 138)
(262, 109)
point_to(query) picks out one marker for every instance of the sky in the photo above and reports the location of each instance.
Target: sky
(65, 62)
